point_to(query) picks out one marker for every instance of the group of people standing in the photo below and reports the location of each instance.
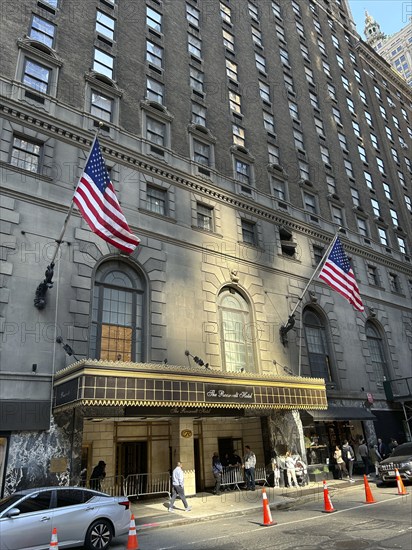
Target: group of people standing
(371, 456)
(232, 462)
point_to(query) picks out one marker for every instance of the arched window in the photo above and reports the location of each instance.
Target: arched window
(117, 314)
(237, 332)
(377, 352)
(317, 345)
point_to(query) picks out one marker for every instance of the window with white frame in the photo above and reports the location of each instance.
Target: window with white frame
(277, 12)
(268, 122)
(196, 79)
(337, 215)
(264, 91)
(322, 46)
(408, 164)
(296, 8)
(357, 75)
(42, 30)
(198, 114)
(396, 122)
(293, 110)
(313, 98)
(238, 134)
(193, 15)
(383, 112)
(375, 207)
(389, 133)
(284, 56)
(324, 153)
(231, 69)
(154, 90)
(298, 139)
(355, 196)
(225, 13)
(153, 19)
(305, 52)
(401, 178)
(394, 217)
(155, 131)
(288, 80)
(362, 153)
(156, 200)
(300, 29)
(356, 129)
(387, 191)
(374, 140)
(37, 76)
(351, 105)
(253, 11)
(257, 36)
(362, 227)
(310, 203)
(335, 41)
(309, 75)
(242, 171)
(103, 63)
(204, 217)
(408, 202)
(194, 45)
(363, 97)
(368, 117)
(319, 126)
(105, 25)
(342, 141)
(280, 32)
(279, 189)
(249, 232)
(260, 62)
(154, 54)
(404, 114)
(368, 179)
(336, 115)
(332, 92)
(395, 154)
(273, 154)
(101, 106)
(317, 26)
(304, 171)
(348, 168)
(402, 142)
(331, 184)
(201, 152)
(383, 237)
(228, 40)
(381, 165)
(26, 154)
(377, 92)
(401, 244)
(340, 61)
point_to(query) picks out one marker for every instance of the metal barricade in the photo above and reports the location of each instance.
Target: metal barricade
(232, 476)
(147, 484)
(261, 475)
(112, 485)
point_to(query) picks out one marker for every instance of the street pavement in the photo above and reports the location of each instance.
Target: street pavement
(153, 513)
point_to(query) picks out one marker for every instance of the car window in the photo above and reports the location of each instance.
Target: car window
(71, 497)
(40, 501)
(8, 501)
(402, 450)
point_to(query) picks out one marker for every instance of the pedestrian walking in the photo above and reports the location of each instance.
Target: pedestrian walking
(348, 456)
(178, 488)
(290, 464)
(337, 455)
(364, 454)
(375, 458)
(249, 464)
(217, 469)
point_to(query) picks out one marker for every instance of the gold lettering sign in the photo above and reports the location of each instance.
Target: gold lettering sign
(186, 433)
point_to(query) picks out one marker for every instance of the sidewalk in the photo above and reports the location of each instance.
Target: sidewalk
(206, 506)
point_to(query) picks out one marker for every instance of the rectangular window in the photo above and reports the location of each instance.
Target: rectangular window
(337, 215)
(368, 179)
(340, 61)
(153, 19)
(355, 196)
(298, 138)
(348, 168)
(36, 76)
(225, 13)
(332, 92)
(201, 152)
(368, 117)
(154, 90)
(253, 11)
(331, 183)
(314, 100)
(309, 75)
(395, 155)
(228, 40)
(284, 57)
(372, 275)
(319, 127)
(310, 203)
(362, 153)
(204, 217)
(238, 135)
(318, 252)
(394, 216)
(101, 106)
(324, 153)
(381, 166)
(394, 282)
(198, 114)
(42, 30)
(192, 15)
(196, 79)
(293, 110)
(356, 128)
(279, 189)
(156, 131)
(389, 133)
(387, 191)
(273, 153)
(156, 200)
(374, 140)
(260, 62)
(264, 91)
(154, 54)
(25, 154)
(402, 245)
(103, 63)
(304, 170)
(336, 115)
(231, 69)
(256, 36)
(342, 141)
(408, 202)
(363, 97)
(249, 232)
(194, 45)
(383, 237)
(268, 122)
(401, 178)
(288, 80)
(362, 227)
(375, 207)
(383, 112)
(235, 102)
(276, 10)
(242, 171)
(105, 25)
(351, 105)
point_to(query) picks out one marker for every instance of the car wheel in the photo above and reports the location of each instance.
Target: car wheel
(99, 535)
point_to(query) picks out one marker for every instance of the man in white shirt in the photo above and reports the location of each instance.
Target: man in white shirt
(249, 464)
(178, 488)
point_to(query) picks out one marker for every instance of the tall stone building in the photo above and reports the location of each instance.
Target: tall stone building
(239, 137)
(396, 49)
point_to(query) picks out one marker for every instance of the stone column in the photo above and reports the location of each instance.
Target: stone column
(287, 432)
(183, 450)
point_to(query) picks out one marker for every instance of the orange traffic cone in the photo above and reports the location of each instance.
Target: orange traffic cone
(132, 543)
(368, 492)
(267, 516)
(54, 544)
(326, 499)
(399, 483)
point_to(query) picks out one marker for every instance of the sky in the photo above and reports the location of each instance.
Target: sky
(391, 15)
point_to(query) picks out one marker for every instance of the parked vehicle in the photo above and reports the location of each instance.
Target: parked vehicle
(81, 516)
(401, 459)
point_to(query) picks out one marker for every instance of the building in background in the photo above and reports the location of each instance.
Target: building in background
(239, 137)
(396, 49)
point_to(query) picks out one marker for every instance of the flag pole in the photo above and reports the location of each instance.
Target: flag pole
(284, 329)
(41, 290)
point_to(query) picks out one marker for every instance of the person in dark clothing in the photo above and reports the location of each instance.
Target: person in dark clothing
(348, 456)
(98, 474)
(364, 454)
(382, 448)
(217, 469)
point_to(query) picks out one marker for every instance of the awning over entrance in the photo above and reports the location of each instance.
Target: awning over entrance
(342, 413)
(99, 383)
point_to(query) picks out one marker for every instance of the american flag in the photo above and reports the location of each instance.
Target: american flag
(96, 199)
(338, 274)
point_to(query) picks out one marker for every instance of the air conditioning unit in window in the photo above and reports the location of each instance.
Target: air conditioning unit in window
(404, 146)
